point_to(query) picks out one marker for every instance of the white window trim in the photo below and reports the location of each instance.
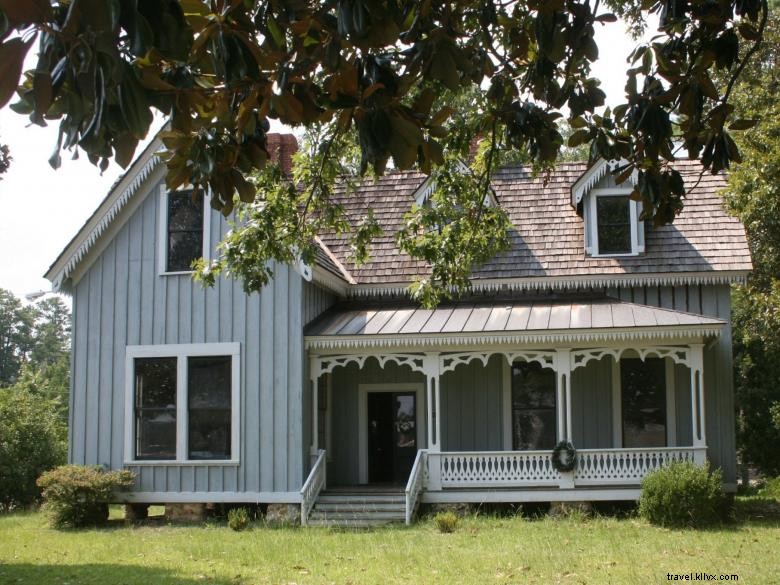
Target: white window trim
(162, 234)
(181, 352)
(617, 404)
(363, 390)
(591, 224)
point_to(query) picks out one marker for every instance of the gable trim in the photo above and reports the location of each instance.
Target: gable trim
(95, 227)
(593, 175)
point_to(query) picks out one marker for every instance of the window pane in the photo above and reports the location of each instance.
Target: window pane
(614, 224)
(155, 408)
(533, 406)
(185, 231)
(643, 385)
(209, 396)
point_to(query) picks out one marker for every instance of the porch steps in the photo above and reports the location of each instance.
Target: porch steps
(358, 509)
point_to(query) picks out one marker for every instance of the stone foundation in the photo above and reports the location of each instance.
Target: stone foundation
(283, 514)
(185, 512)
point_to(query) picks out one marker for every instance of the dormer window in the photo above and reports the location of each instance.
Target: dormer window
(184, 231)
(613, 227)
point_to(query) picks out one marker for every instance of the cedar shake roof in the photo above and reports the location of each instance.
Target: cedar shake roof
(547, 238)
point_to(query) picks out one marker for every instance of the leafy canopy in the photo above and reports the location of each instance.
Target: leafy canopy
(376, 70)
(754, 196)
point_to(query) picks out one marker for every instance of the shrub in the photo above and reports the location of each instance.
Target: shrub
(682, 494)
(32, 440)
(78, 496)
(446, 522)
(771, 489)
(238, 518)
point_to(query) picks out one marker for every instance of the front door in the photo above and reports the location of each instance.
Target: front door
(392, 436)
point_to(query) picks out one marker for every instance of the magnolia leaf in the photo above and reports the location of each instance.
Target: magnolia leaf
(12, 54)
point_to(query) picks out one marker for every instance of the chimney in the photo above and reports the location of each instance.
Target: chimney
(281, 148)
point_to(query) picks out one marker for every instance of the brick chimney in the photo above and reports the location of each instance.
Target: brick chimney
(280, 148)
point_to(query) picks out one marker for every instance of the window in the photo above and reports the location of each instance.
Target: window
(612, 224)
(613, 218)
(184, 231)
(643, 402)
(183, 400)
(533, 407)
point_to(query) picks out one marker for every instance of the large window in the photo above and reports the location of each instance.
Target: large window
(183, 231)
(184, 402)
(643, 402)
(533, 407)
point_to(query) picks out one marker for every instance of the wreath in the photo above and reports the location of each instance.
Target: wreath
(564, 457)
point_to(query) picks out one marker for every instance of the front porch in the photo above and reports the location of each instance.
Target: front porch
(486, 416)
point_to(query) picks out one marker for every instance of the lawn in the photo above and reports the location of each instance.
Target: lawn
(484, 549)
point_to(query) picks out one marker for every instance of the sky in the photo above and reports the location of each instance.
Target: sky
(42, 209)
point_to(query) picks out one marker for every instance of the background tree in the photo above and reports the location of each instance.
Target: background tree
(5, 159)
(754, 196)
(16, 336)
(220, 69)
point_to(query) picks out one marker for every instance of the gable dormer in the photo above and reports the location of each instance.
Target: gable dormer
(611, 218)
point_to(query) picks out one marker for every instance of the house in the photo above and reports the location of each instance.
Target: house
(330, 385)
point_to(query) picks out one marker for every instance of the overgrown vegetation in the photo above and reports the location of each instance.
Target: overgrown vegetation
(238, 519)
(446, 522)
(682, 494)
(76, 496)
(753, 195)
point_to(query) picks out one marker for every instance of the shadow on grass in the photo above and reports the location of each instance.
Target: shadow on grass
(100, 574)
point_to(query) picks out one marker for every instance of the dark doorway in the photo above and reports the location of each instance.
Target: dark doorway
(392, 436)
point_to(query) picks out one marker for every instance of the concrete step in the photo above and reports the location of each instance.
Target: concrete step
(361, 499)
(389, 516)
(350, 524)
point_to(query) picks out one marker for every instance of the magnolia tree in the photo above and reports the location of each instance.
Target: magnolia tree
(388, 76)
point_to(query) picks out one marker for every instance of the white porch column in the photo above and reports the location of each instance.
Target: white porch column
(431, 367)
(698, 419)
(314, 376)
(563, 387)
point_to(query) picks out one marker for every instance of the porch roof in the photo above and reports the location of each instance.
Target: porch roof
(504, 321)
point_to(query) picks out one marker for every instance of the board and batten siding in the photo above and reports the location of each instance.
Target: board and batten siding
(122, 300)
(711, 301)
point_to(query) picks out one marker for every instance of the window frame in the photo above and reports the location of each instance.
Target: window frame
(592, 226)
(182, 352)
(162, 232)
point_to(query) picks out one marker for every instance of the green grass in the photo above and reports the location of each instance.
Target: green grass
(482, 550)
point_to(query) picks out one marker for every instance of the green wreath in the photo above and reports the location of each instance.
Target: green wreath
(564, 457)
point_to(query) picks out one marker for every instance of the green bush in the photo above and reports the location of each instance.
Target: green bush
(238, 518)
(77, 496)
(682, 495)
(771, 489)
(446, 522)
(32, 440)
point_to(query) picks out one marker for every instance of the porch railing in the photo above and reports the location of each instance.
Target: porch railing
(628, 466)
(313, 486)
(415, 485)
(521, 469)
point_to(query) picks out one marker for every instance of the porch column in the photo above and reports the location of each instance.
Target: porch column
(563, 387)
(431, 367)
(696, 361)
(314, 375)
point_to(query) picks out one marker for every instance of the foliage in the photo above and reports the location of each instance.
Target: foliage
(5, 159)
(373, 69)
(16, 336)
(77, 496)
(753, 195)
(682, 494)
(238, 519)
(771, 489)
(446, 522)
(32, 440)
